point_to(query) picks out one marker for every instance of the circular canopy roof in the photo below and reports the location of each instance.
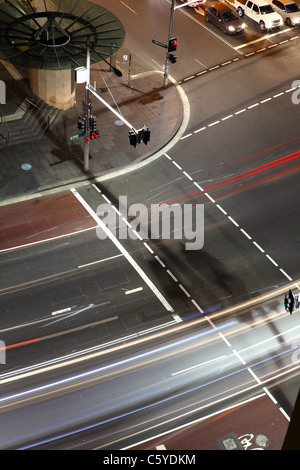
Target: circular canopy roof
(52, 34)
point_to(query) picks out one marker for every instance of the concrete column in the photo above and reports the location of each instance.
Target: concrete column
(55, 87)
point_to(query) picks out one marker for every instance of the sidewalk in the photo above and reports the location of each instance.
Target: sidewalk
(54, 160)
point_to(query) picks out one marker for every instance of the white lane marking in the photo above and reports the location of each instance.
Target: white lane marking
(245, 233)
(259, 247)
(99, 261)
(121, 248)
(64, 310)
(199, 365)
(47, 240)
(133, 291)
(184, 290)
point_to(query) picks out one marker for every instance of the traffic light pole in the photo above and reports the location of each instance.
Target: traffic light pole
(167, 63)
(86, 158)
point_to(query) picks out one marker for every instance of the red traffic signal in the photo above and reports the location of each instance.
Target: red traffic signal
(172, 44)
(94, 134)
(132, 138)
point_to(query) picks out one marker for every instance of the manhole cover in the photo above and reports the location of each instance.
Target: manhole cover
(26, 166)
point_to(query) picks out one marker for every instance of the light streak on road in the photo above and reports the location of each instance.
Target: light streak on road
(230, 393)
(113, 365)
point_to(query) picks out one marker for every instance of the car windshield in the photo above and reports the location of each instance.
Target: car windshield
(265, 9)
(229, 16)
(292, 8)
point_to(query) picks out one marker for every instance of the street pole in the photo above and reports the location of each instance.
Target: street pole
(87, 109)
(166, 74)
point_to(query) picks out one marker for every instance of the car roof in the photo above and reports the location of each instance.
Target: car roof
(220, 7)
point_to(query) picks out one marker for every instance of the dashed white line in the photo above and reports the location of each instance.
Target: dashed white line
(148, 248)
(285, 274)
(184, 290)
(246, 234)
(176, 164)
(272, 261)
(209, 197)
(240, 111)
(187, 175)
(259, 247)
(188, 78)
(199, 130)
(185, 136)
(198, 186)
(227, 117)
(265, 101)
(160, 261)
(213, 123)
(233, 221)
(197, 306)
(221, 209)
(172, 275)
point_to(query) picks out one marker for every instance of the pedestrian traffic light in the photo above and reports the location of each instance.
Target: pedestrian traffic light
(172, 44)
(132, 138)
(81, 124)
(145, 134)
(289, 302)
(172, 58)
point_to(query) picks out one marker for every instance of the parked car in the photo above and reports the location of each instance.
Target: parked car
(224, 18)
(289, 11)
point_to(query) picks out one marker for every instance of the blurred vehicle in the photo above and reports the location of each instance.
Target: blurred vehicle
(194, 4)
(224, 18)
(289, 11)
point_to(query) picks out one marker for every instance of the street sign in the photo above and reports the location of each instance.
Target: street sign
(159, 44)
(74, 137)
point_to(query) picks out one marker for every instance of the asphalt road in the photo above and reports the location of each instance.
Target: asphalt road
(238, 157)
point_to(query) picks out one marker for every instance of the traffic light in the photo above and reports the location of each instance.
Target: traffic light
(172, 44)
(172, 58)
(289, 302)
(94, 133)
(93, 123)
(145, 134)
(132, 138)
(81, 124)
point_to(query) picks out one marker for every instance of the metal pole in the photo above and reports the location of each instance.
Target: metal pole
(166, 74)
(87, 109)
(112, 110)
